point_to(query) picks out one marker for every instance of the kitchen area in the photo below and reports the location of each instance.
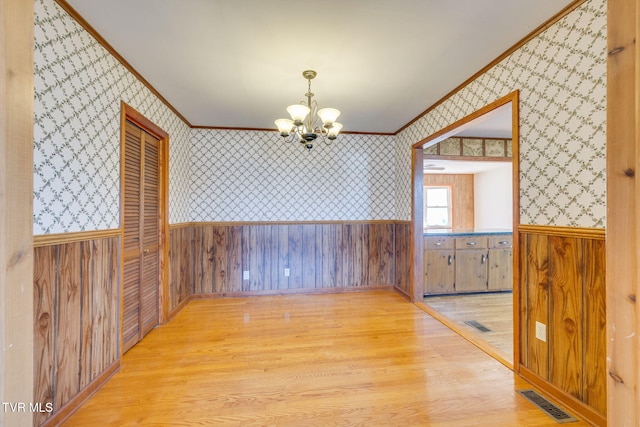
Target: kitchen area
(468, 233)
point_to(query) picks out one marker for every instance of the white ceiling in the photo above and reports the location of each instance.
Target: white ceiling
(495, 124)
(381, 62)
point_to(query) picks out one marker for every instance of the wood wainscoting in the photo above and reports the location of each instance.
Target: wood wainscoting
(562, 282)
(207, 259)
(76, 319)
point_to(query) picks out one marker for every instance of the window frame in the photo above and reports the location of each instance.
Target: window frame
(449, 207)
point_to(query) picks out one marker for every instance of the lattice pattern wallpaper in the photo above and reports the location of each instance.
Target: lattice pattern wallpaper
(78, 89)
(79, 85)
(561, 75)
(255, 176)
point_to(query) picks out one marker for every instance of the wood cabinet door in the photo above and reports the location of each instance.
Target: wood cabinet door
(471, 270)
(439, 271)
(500, 269)
(141, 234)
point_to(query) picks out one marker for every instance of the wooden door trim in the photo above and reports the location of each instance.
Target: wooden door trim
(417, 179)
(129, 113)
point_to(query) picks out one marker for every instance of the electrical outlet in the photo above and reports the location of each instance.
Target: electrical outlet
(287, 272)
(245, 275)
(541, 331)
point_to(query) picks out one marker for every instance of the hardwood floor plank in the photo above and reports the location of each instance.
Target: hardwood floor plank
(493, 310)
(366, 358)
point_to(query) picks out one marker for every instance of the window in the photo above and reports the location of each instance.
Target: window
(437, 207)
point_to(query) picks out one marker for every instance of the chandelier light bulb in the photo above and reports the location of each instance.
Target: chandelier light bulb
(328, 116)
(298, 113)
(334, 130)
(285, 126)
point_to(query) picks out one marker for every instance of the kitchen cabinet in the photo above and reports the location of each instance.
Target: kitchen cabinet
(471, 264)
(468, 262)
(500, 263)
(439, 265)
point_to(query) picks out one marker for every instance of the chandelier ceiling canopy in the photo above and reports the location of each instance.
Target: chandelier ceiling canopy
(307, 122)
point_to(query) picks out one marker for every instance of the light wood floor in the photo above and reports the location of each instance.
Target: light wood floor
(493, 310)
(365, 358)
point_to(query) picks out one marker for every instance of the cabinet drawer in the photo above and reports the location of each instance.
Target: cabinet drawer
(472, 242)
(503, 241)
(438, 242)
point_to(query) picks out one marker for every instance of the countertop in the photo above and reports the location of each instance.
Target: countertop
(450, 232)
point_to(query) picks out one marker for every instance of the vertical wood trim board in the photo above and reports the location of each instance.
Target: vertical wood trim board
(207, 259)
(563, 287)
(623, 206)
(16, 207)
(76, 318)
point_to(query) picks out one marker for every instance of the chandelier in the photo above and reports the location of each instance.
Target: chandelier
(304, 125)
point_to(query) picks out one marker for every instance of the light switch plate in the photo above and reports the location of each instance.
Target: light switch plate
(245, 275)
(287, 272)
(541, 331)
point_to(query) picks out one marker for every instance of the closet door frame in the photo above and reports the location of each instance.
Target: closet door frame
(128, 113)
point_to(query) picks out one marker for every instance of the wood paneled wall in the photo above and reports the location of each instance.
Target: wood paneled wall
(461, 194)
(562, 282)
(209, 259)
(76, 319)
(181, 266)
(403, 259)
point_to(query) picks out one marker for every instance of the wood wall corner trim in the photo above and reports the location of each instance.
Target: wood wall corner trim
(623, 207)
(321, 222)
(72, 237)
(16, 207)
(552, 230)
(402, 293)
(183, 224)
(293, 291)
(177, 309)
(60, 416)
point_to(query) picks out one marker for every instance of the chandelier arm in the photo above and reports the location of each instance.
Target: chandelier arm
(292, 137)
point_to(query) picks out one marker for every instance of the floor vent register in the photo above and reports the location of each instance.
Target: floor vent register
(547, 407)
(477, 325)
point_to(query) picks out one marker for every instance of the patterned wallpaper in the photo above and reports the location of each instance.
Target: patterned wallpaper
(78, 89)
(255, 176)
(561, 75)
(221, 175)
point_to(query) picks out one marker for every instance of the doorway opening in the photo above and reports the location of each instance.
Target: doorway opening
(466, 274)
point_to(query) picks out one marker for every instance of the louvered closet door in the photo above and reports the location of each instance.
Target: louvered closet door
(141, 217)
(150, 219)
